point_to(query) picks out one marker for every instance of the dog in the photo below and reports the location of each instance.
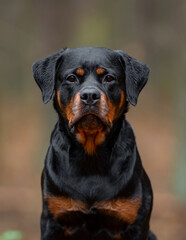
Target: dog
(93, 183)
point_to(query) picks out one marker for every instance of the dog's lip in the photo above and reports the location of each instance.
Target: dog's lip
(106, 124)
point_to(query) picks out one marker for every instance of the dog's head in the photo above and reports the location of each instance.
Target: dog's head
(92, 86)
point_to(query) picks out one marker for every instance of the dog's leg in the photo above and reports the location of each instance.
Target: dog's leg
(53, 230)
(50, 230)
(137, 232)
(151, 236)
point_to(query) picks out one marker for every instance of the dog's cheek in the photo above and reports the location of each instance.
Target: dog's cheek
(61, 103)
(122, 99)
(115, 108)
(112, 111)
(68, 110)
(68, 105)
(114, 92)
(62, 100)
(73, 108)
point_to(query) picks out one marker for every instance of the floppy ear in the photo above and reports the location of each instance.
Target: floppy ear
(136, 76)
(44, 72)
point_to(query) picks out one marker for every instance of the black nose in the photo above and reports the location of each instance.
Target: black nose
(90, 95)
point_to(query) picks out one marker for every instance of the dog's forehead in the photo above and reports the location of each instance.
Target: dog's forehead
(90, 57)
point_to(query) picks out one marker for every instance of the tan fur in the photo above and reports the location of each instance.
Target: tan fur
(80, 71)
(91, 138)
(100, 71)
(123, 209)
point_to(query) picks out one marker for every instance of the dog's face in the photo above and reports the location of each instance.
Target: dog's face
(90, 93)
(91, 86)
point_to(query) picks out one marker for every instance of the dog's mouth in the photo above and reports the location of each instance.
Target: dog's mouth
(89, 122)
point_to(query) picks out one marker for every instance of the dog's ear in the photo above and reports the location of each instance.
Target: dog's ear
(136, 76)
(44, 72)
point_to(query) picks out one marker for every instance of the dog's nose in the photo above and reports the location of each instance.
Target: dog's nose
(90, 95)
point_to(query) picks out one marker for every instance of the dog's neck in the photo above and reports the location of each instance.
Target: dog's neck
(115, 158)
(119, 142)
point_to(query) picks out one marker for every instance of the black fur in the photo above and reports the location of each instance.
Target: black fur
(115, 170)
(44, 72)
(136, 76)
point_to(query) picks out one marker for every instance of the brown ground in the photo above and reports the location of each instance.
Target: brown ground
(20, 198)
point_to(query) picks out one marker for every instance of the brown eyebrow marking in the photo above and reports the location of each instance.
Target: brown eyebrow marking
(100, 71)
(80, 71)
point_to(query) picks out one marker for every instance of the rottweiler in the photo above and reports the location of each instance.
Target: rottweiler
(94, 186)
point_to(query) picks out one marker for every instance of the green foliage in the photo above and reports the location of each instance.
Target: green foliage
(11, 235)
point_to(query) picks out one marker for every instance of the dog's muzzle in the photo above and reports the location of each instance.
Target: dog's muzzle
(89, 110)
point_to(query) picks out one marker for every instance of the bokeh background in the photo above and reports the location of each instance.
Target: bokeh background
(153, 32)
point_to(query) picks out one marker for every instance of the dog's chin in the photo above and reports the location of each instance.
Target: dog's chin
(90, 122)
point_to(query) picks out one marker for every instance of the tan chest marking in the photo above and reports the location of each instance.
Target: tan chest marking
(125, 210)
(60, 205)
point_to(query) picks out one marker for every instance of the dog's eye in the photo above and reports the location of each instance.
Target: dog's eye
(72, 78)
(109, 78)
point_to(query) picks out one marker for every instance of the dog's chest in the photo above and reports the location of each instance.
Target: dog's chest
(102, 219)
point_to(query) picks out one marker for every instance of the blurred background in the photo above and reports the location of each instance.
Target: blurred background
(151, 31)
